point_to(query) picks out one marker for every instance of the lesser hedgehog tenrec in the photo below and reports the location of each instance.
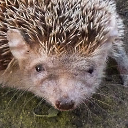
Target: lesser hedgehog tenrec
(58, 49)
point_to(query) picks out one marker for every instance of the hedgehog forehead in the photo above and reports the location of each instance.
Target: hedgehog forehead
(66, 61)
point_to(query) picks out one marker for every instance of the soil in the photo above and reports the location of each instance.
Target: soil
(108, 108)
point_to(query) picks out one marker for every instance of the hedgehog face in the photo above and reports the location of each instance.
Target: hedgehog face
(66, 80)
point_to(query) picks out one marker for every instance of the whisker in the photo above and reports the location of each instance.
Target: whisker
(110, 95)
(100, 102)
(20, 95)
(7, 92)
(90, 109)
(28, 102)
(40, 102)
(12, 99)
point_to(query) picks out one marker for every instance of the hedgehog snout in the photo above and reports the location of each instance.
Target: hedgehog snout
(64, 104)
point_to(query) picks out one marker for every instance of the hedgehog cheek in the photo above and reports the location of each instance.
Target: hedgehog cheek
(17, 44)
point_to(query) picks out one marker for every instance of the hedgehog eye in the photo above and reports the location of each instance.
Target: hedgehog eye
(90, 70)
(39, 68)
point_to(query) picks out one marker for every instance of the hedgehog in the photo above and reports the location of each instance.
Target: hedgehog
(58, 49)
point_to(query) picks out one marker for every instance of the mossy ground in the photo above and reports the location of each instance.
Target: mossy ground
(108, 108)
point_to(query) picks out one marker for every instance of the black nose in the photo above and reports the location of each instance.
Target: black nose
(64, 105)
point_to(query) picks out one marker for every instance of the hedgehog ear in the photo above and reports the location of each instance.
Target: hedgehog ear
(101, 53)
(17, 44)
(113, 29)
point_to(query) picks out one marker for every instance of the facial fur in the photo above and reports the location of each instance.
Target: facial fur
(63, 79)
